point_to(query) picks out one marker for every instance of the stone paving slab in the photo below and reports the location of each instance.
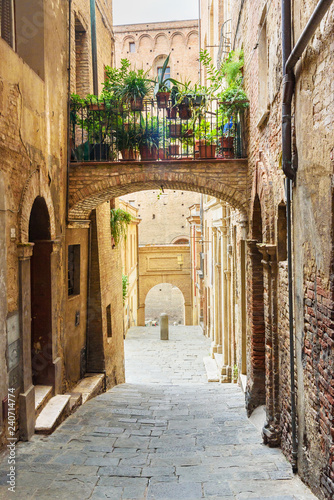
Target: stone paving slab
(166, 436)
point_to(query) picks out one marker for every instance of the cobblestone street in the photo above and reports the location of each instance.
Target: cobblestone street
(165, 434)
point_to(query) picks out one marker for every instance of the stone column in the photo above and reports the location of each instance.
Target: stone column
(55, 282)
(226, 369)
(27, 396)
(214, 294)
(271, 432)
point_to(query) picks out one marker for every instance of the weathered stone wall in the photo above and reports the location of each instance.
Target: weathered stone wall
(129, 258)
(105, 350)
(312, 220)
(154, 41)
(33, 163)
(75, 338)
(163, 215)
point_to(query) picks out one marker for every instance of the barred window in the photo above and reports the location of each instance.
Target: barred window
(73, 270)
(7, 21)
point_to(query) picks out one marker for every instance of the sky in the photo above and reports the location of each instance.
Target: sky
(148, 11)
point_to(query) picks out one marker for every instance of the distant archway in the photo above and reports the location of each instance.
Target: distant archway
(165, 298)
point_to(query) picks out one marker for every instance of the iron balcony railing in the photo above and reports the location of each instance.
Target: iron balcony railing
(151, 130)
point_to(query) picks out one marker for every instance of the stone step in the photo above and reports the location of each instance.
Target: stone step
(220, 361)
(90, 386)
(75, 401)
(55, 411)
(43, 394)
(211, 369)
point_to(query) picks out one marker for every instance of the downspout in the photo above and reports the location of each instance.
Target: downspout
(68, 103)
(289, 60)
(94, 46)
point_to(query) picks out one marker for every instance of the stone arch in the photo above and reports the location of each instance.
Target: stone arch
(164, 306)
(145, 42)
(178, 36)
(263, 186)
(179, 282)
(180, 240)
(192, 38)
(35, 187)
(106, 183)
(158, 61)
(126, 40)
(161, 42)
(263, 382)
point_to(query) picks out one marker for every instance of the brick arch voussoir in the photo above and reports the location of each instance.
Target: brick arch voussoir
(88, 198)
(35, 186)
(263, 187)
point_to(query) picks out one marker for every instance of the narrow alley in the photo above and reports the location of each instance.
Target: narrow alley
(165, 434)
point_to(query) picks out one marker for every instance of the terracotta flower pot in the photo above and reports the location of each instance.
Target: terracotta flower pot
(129, 154)
(174, 149)
(148, 152)
(162, 99)
(227, 144)
(175, 130)
(185, 112)
(207, 151)
(96, 107)
(171, 113)
(137, 104)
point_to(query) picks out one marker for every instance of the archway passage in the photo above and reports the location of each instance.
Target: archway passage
(165, 264)
(91, 184)
(165, 298)
(41, 303)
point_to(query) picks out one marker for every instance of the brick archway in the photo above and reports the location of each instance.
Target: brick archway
(35, 187)
(263, 363)
(92, 184)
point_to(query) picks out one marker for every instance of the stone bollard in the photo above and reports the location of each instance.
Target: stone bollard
(163, 326)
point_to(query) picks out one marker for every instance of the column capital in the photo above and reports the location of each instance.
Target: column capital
(25, 250)
(268, 251)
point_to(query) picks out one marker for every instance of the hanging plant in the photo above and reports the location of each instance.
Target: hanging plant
(119, 221)
(125, 284)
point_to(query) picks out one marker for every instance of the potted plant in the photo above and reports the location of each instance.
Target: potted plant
(126, 143)
(147, 138)
(135, 87)
(162, 86)
(207, 146)
(90, 114)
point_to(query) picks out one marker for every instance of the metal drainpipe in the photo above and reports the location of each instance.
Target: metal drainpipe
(94, 46)
(68, 102)
(289, 60)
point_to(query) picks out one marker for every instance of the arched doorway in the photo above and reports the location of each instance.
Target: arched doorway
(41, 303)
(256, 391)
(165, 298)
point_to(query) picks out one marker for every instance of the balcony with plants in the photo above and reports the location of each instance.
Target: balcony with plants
(136, 118)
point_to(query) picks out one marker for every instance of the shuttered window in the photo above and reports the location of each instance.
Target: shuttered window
(7, 21)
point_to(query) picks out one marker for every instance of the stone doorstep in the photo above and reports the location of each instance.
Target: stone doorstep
(75, 400)
(55, 411)
(43, 394)
(211, 369)
(258, 417)
(89, 386)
